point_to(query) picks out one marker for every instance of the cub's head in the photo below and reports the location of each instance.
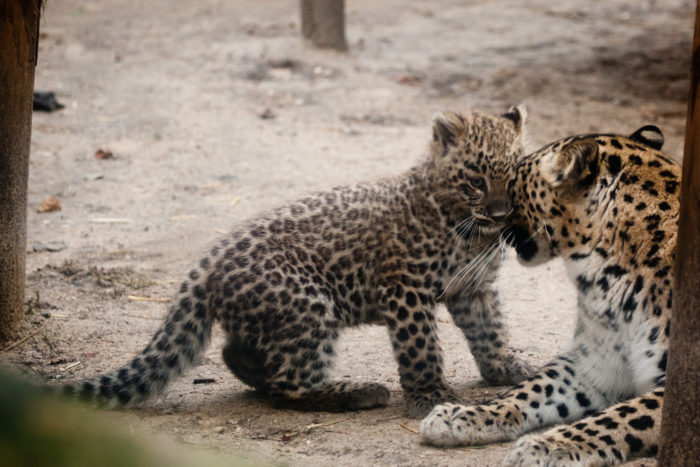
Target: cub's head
(474, 156)
(565, 195)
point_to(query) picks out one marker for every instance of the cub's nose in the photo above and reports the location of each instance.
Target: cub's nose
(498, 209)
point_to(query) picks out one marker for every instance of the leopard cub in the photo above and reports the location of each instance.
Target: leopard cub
(284, 285)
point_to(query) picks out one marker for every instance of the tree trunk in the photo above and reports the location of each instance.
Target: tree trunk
(680, 427)
(323, 23)
(19, 35)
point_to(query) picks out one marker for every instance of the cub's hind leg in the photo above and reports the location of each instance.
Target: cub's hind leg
(292, 357)
(247, 364)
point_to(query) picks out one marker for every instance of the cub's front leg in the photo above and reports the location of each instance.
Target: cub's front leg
(413, 332)
(478, 315)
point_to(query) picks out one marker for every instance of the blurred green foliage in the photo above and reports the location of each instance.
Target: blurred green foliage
(38, 429)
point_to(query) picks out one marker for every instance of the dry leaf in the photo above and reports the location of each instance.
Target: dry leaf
(49, 204)
(102, 154)
(409, 80)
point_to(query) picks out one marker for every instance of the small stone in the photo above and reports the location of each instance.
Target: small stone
(52, 246)
(267, 114)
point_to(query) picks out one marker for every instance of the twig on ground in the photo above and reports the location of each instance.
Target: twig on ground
(136, 298)
(72, 365)
(308, 428)
(143, 317)
(21, 341)
(408, 428)
(110, 220)
(381, 420)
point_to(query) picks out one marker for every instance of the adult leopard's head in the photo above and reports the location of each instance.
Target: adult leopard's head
(564, 195)
(474, 156)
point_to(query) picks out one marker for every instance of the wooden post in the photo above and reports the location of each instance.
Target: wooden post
(323, 23)
(19, 36)
(680, 428)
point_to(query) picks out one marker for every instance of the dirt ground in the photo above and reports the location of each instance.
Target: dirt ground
(216, 110)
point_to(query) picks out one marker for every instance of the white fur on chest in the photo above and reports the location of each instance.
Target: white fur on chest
(612, 353)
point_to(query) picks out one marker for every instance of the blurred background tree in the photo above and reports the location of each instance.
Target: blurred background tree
(323, 23)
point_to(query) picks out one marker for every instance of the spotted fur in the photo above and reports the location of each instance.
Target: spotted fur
(607, 205)
(283, 286)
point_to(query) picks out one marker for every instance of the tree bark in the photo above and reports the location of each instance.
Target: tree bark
(323, 23)
(19, 35)
(680, 427)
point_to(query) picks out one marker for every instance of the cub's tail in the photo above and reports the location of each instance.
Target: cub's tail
(176, 346)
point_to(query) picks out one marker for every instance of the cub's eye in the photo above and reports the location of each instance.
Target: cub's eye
(478, 183)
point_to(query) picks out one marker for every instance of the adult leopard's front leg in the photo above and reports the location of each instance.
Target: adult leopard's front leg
(478, 315)
(554, 395)
(628, 429)
(413, 333)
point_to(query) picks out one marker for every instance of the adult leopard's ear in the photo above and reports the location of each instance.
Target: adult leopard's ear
(649, 135)
(575, 164)
(447, 127)
(517, 115)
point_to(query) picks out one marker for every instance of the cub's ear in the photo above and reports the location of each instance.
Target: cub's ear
(577, 163)
(447, 127)
(649, 135)
(517, 115)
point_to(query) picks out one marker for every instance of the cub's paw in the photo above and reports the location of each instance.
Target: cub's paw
(511, 371)
(540, 450)
(367, 396)
(419, 405)
(455, 425)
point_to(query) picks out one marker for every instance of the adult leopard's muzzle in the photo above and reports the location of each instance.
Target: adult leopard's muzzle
(523, 241)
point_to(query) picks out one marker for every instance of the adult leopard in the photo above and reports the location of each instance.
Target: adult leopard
(608, 205)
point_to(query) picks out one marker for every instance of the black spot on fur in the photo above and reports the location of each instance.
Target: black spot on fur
(635, 159)
(662, 362)
(642, 423)
(615, 270)
(614, 164)
(583, 401)
(634, 443)
(650, 404)
(563, 410)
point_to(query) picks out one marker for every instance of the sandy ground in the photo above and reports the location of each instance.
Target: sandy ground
(215, 111)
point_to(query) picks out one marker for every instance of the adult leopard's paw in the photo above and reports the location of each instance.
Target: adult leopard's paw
(539, 450)
(458, 425)
(437, 429)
